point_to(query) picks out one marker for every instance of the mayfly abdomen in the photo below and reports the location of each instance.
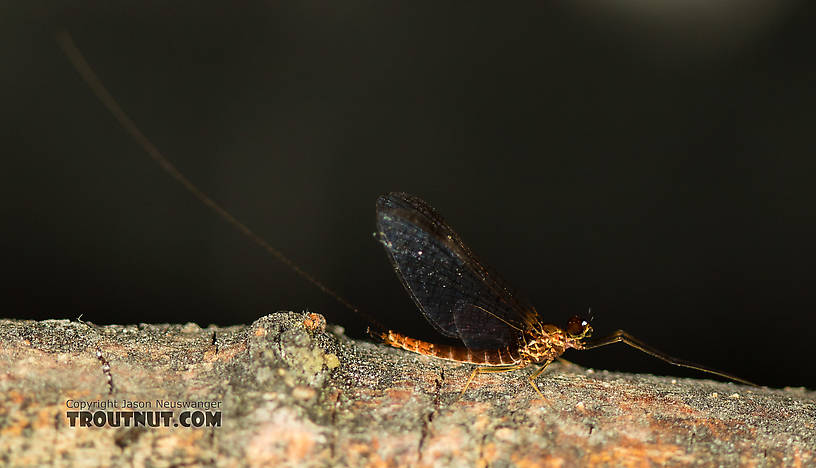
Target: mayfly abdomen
(485, 357)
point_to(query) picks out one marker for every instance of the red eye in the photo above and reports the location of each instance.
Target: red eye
(577, 326)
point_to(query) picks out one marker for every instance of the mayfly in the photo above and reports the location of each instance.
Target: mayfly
(465, 299)
(458, 294)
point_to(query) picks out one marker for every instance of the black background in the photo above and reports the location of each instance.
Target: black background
(656, 165)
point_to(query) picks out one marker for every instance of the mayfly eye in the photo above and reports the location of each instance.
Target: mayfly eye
(577, 326)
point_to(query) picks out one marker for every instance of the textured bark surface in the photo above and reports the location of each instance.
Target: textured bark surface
(295, 394)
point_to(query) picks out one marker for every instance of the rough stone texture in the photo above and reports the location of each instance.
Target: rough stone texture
(295, 394)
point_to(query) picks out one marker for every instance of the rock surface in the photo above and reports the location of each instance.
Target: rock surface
(291, 393)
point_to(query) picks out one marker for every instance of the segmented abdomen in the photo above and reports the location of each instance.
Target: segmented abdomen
(486, 357)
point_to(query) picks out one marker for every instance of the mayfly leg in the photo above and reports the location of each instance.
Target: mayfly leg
(502, 369)
(490, 370)
(621, 336)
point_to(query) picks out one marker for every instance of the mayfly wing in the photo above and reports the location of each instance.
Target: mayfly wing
(459, 295)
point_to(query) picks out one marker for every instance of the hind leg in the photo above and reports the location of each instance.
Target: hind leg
(488, 370)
